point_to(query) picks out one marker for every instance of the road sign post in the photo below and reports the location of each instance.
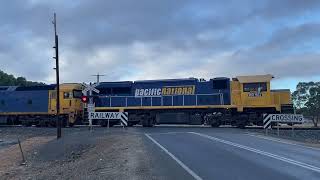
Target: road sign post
(278, 129)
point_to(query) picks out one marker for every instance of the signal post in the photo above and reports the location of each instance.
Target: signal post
(90, 106)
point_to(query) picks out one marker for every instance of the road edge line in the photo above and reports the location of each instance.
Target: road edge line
(278, 157)
(185, 167)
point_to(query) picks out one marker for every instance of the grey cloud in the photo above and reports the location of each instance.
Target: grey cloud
(290, 37)
(273, 9)
(154, 39)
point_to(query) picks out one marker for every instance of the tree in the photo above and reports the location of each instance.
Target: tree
(306, 100)
(313, 105)
(10, 80)
(21, 81)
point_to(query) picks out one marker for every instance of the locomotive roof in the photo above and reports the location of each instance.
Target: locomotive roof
(167, 80)
(129, 83)
(27, 88)
(254, 79)
(30, 88)
(8, 88)
(115, 84)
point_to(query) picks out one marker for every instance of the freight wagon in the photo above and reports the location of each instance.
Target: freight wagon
(36, 105)
(239, 101)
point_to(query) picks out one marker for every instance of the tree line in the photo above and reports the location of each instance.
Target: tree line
(306, 100)
(10, 80)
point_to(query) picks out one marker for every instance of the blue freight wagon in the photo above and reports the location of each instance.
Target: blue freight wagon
(152, 102)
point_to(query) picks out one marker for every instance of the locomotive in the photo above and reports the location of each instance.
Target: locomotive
(36, 105)
(239, 101)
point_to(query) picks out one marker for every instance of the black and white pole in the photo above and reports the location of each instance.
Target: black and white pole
(266, 122)
(124, 119)
(56, 47)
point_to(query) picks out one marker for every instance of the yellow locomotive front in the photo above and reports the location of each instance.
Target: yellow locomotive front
(252, 95)
(255, 92)
(71, 107)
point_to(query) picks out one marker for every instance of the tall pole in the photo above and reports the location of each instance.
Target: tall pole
(98, 77)
(58, 122)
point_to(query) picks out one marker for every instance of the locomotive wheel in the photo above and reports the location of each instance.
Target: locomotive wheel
(130, 124)
(215, 125)
(147, 122)
(214, 121)
(71, 124)
(27, 123)
(242, 121)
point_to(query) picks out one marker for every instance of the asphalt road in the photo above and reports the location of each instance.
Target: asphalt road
(225, 153)
(167, 153)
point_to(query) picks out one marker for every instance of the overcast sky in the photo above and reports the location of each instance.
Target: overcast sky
(149, 39)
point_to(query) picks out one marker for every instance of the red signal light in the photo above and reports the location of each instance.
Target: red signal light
(84, 99)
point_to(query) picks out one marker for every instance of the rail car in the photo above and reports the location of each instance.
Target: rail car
(239, 101)
(36, 105)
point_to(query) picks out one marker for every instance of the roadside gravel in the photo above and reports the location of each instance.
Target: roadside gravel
(81, 154)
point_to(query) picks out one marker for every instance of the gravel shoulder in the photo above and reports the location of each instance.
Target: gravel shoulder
(80, 154)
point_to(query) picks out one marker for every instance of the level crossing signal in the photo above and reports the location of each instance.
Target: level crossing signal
(84, 99)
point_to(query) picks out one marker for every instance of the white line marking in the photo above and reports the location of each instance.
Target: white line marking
(193, 174)
(167, 133)
(282, 141)
(281, 158)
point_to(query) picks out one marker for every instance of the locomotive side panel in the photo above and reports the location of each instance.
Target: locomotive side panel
(165, 93)
(24, 101)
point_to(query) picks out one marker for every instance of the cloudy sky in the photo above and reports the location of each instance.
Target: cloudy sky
(149, 39)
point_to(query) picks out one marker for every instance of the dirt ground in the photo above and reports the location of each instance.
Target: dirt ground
(80, 154)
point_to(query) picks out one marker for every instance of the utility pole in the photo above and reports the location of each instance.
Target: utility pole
(56, 47)
(98, 77)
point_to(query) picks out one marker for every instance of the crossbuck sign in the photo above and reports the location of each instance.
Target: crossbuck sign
(90, 88)
(281, 118)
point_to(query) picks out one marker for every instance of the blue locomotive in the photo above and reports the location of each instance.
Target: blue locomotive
(238, 101)
(36, 105)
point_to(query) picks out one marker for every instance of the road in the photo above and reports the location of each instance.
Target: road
(206, 153)
(167, 153)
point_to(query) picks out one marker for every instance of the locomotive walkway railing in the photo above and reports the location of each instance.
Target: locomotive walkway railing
(143, 101)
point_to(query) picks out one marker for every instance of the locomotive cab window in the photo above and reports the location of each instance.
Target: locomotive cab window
(77, 93)
(249, 87)
(67, 95)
